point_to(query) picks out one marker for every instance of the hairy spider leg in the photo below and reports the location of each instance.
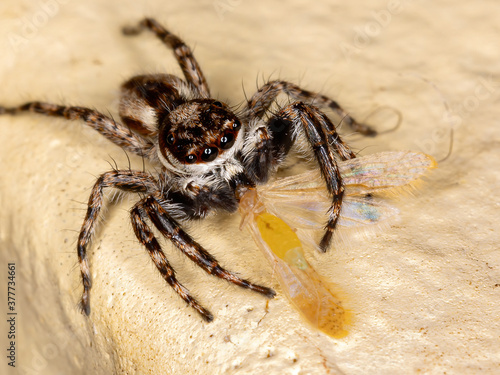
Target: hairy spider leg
(334, 139)
(144, 234)
(194, 251)
(109, 128)
(260, 102)
(319, 131)
(182, 52)
(130, 181)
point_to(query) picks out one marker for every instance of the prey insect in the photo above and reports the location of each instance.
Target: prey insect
(279, 212)
(205, 153)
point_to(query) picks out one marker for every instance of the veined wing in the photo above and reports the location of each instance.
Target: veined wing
(384, 171)
(302, 200)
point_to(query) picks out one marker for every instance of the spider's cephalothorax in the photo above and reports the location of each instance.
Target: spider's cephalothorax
(197, 132)
(208, 156)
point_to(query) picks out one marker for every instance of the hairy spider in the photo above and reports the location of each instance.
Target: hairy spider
(208, 156)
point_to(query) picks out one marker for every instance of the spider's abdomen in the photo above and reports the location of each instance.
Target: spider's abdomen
(147, 99)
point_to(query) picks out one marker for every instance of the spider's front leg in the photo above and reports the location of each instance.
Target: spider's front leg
(273, 141)
(131, 181)
(261, 101)
(319, 131)
(182, 52)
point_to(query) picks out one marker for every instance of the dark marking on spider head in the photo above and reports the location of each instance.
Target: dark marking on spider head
(198, 131)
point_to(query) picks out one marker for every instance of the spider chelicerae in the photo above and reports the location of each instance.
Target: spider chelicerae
(208, 156)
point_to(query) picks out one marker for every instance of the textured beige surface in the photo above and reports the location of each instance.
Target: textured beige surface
(424, 293)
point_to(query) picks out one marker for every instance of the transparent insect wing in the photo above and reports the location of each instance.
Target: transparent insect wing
(385, 170)
(310, 295)
(364, 211)
(301, 200)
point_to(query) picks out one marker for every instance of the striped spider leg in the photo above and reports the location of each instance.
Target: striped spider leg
(262, 100)
(281, 131)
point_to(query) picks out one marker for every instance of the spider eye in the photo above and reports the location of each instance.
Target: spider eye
(190, 159)
(217, 103)
(209, 153)
(236, 125)
(227, 141)
(170, 139)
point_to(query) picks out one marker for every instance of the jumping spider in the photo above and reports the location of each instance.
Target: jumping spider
(208, 156)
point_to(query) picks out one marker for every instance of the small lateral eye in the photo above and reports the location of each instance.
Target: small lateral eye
(170, 139)
(217, 103)
(190, 159)
(227, 141)
(209, 153)
(236, 125)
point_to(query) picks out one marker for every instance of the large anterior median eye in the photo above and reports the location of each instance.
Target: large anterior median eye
(227, 141)
(209, 153)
